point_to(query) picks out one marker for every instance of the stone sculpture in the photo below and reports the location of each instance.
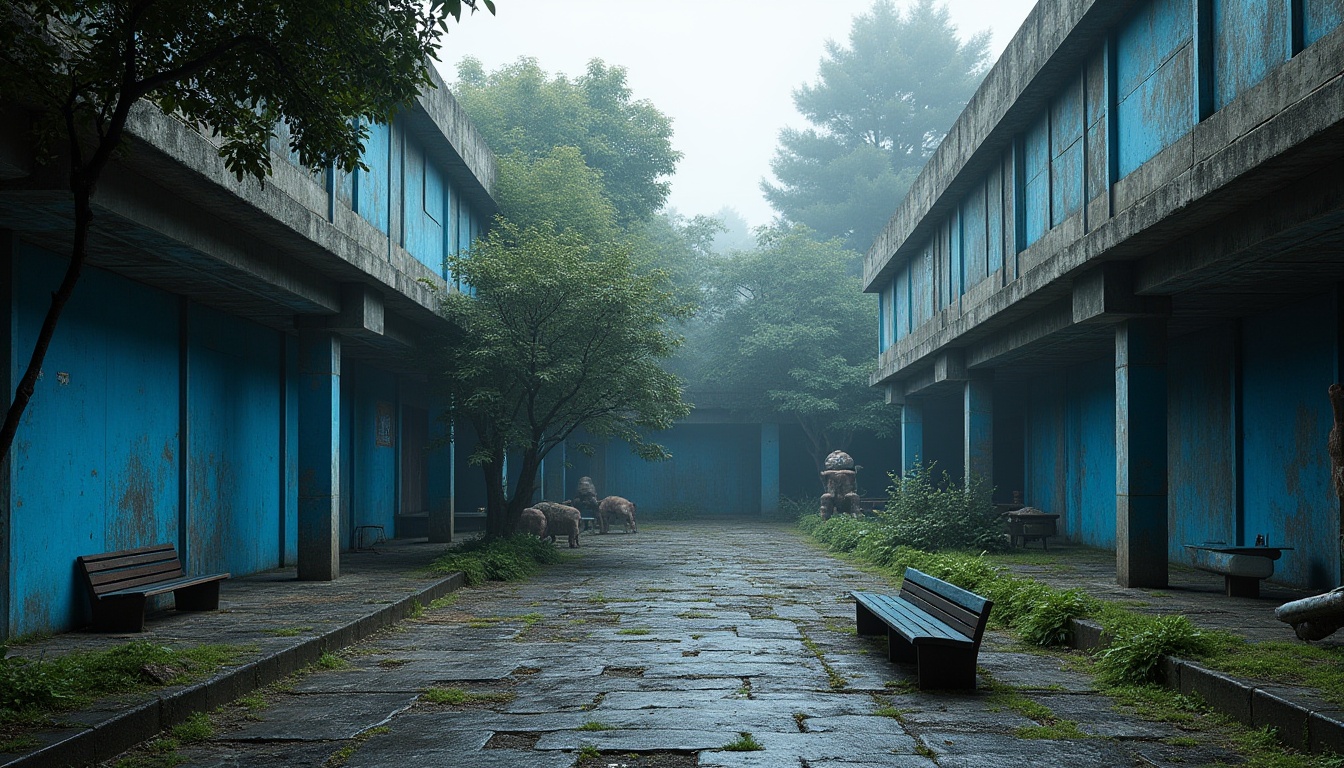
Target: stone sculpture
(840, 477)
(585, 499)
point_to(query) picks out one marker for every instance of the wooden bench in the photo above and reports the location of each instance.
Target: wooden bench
(935, 624)
(121, 583)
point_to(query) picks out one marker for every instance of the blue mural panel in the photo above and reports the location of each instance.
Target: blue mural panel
(103, 419)
(233, 458)
(1250, 37)
(1288, 360)
(1201, 456)
(1155, 85)
(1066, 153)
(717, 456)
(1036, 180)
(994, 220)
(1092, 452)
(1320, 18)
(372, 186)
(975, 236)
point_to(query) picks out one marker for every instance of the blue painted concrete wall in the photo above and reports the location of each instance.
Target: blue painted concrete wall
(1070, 450)
(1250, 37)
(1154, 80)
(371, 399)
(1320, 18)
(1289, 357)
(95, 462)
(715, 469)
(1201, 440)
(233, 459)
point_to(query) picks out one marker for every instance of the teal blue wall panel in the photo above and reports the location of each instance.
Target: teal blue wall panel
(1091, 453)
(975, 237)
(373, 439)
(1250, 37)
(1201, 455)
(1066, 153)
(234, 397)
(922, 289)
(1288, 360)
(994, 221)
(95, 462)
(1036, 180)
(291, 481)
(1154, 80)
(371, 186)
(714, 469)
(1320, 18)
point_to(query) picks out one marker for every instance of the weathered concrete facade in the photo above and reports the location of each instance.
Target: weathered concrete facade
(240, 370)
(1121, 272)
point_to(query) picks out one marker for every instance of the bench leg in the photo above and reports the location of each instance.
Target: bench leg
(898, 648)
(942, 668)
(201, 597)
(119, 614)
(867, 623)
(1241, 586)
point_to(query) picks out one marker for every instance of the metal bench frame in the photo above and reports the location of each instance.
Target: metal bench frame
(935, 624)
(121, 583)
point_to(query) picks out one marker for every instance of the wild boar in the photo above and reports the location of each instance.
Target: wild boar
(615, 508)
(533, 521)
(561, 520)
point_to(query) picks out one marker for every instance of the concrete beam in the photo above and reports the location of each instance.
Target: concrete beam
(1105, 294)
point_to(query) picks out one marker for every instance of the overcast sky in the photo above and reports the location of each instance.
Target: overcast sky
(723, 71)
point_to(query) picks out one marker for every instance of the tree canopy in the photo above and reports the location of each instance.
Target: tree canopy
(232, 69)
(879, 108)
(561, 333)
(788, 320)
(521, 108)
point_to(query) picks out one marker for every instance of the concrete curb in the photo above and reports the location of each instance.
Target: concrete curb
(1301, 718)
(106, 737)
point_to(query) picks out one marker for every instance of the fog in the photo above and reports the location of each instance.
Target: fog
(723, 71)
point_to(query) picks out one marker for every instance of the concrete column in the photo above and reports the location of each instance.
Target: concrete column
(1141, 453)
(553, 483)
(319, 455)
(769, 470)
(912, 436)
(978, 427)
(442, 468)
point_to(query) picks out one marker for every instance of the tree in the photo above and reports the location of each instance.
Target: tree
(559, 188)
(879, 109)
(562, 333)
(521, 108)
(789, 320)
(234, 69)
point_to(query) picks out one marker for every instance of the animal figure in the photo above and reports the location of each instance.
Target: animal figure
(585, 498)
(561, 520)
(615, 508)
(533, 521)
(841, 479)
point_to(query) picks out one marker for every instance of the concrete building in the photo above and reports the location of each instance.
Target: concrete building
(241, 369)
(1116, 287)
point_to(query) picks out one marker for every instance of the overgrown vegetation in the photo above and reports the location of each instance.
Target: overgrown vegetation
(744, 742)
(33, 689)
(500, 558)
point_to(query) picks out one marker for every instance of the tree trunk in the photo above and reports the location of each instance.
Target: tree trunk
(495, 504)
(78, 252)
(522, 492)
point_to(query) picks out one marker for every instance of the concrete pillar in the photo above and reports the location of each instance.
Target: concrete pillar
(553, 484)
(1141, 453)
(319, 455)
(442, 469)
(769, 470)
(978, 427)
(912, 436)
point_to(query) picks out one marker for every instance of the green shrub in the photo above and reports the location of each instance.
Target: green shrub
(943, 514)
(1140, 642)
(508, 558)
(1048, 621)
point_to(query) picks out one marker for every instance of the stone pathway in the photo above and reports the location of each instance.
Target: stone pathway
(660, 649)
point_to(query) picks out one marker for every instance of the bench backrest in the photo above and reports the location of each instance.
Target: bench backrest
(964, 611)
(129, 568)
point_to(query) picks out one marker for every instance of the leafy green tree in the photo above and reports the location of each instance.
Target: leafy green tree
(879, 108)
(561, 333)
(789, 320)
(559, 188)
(521, 108)
(233, 69)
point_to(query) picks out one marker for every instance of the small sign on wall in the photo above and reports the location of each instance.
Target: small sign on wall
(384, 430)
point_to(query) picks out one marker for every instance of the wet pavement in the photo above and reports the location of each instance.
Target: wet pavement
(663, 648)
